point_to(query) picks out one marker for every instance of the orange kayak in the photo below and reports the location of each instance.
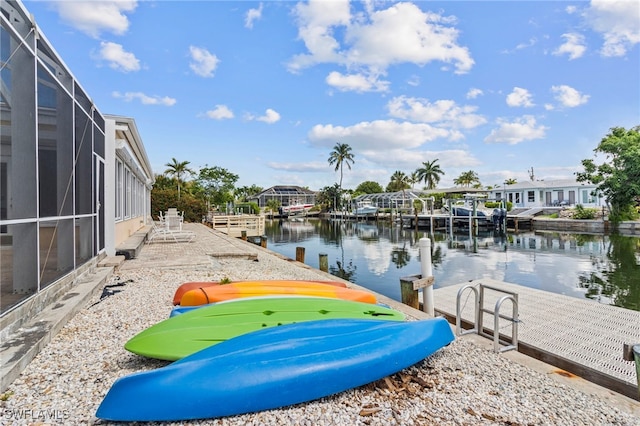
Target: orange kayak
(193, 285)
(213, 294)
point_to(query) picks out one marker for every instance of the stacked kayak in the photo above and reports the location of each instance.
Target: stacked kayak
(183, 335)
(218, 293)
(194, 285)
(273, 368)
(252, 346)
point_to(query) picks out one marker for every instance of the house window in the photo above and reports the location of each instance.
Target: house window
(517, 198)
(119, 187)
(531, 196)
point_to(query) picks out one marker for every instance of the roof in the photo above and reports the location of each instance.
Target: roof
(545, 184)
(285, 190)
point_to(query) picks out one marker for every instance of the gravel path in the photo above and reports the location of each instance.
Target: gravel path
(462, 384)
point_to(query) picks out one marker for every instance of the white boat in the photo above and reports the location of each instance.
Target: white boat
(295, 209)
(365, 208)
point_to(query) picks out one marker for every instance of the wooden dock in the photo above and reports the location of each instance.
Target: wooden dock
(580, 336)
(238, 225)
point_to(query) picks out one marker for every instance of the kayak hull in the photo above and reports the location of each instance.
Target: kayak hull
(220, 293)
(190, 332)
(194, 285)
(273, 368)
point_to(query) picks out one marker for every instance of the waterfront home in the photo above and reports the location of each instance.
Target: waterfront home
(548, 193)
(74, 183)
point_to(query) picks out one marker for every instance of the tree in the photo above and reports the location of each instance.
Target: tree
(340, 155)
(467, 179)
(399, 182)
(329, 196)
(510, 181)
(244, 192)
(430, 173)
(217, 184)
(368, 187)
(618, 177)
(177, 169)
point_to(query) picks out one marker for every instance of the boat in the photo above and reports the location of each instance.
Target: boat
(182, 335)
(295, 209)
(212, 294)
(365, 208)
(274, 368)
(192, 285)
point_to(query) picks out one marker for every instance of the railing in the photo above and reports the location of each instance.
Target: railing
(234, 225)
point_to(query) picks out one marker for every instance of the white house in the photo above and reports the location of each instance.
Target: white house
(544, 193)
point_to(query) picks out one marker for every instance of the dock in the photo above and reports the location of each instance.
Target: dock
(582, 337)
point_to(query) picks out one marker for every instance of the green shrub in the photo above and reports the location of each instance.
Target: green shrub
(498, 204)
(584, 214)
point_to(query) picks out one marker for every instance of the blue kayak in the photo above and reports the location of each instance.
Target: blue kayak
(274, 367)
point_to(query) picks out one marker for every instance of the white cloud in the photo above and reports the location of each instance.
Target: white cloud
(409, 160)
(117, 58)
(203, 62)
(444, 112)
(305, 167)
(220, 112)
(522, 129)
(568, 96)
(573, 46)
(145, 99)
(376, 135)
(618, 22)
(253, 15)
(414, 81)
(519, 98)
(95, 17)
(356, 82)
(270, 116)
(474, 93)
(374, 40)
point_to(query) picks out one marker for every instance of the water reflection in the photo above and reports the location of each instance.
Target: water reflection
(376, 256)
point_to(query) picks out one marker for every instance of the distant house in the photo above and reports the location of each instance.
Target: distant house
(287, 195)
(541, 193)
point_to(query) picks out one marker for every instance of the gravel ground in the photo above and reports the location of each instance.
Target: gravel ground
(462, 384)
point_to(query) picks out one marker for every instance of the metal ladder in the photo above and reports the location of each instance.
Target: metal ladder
(479, 310)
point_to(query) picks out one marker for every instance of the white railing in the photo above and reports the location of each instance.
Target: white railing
(234, 225)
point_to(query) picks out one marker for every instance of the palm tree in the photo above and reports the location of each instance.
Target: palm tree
(467, 178)
(340, 155)
(177, 169)
(430, 173)
(510, 181)
(399, 180)
(414, 178)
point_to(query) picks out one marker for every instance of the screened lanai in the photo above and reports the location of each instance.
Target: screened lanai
(394, 200)
(286, 195)
(404, 200)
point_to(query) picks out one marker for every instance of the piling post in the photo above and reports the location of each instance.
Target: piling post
(243, 235)
(408, 294)
(324, 262)
(263, 241)
(427, 272)
(300, 254)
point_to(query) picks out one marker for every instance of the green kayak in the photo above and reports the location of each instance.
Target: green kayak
(185, 334)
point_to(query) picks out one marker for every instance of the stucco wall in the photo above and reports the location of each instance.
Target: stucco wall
(126, 228)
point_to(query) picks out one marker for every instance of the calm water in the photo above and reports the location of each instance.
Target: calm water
(375, 256)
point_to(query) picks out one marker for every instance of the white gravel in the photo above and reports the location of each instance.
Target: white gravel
(462, 384)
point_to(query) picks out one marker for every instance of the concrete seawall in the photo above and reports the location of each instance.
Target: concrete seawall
(629, 228)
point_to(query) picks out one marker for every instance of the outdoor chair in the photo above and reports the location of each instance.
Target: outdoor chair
(162, 233)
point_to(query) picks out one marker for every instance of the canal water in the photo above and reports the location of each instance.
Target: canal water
(604, 268)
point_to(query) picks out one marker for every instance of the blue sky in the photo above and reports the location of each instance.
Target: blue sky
(266, 89)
